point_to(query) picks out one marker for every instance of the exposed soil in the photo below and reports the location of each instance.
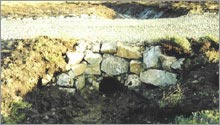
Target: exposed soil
(51, 105)
(197, 89)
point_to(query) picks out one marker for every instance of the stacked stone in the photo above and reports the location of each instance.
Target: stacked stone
(130, 65)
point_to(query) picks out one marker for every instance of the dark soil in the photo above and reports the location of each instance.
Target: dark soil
(51, 105)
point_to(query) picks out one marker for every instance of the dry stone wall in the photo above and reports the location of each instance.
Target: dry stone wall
(131, 65)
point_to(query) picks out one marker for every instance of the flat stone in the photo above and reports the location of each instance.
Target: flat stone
(74, 57)
(78, 69)
(64, 80)
(133, 81)
(158, 77)
(167, 62)
(80, 82)
(93, 69)
(109, 48)
(151, 57)
(136, 66)
(128, 52)
(177, 64)
(114, 65)
(93, 58)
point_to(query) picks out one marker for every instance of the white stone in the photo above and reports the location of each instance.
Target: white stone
(133, 81)
(74, 57)
(109, 48)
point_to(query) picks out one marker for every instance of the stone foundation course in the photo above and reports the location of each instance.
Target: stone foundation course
(130, 65)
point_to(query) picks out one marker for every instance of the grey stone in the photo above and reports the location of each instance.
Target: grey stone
(133, 81)
(93, 69)
(74, 57)
(167, 62)
(114, 65)
(109, 48)
(151, 57)
(64, 80)
(80, 82)
(177, 64)
(93, 58)
(158, 77)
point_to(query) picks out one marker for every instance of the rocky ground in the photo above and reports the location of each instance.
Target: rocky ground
(89, 69)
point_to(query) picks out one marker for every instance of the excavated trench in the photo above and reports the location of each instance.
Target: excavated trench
(115, 102)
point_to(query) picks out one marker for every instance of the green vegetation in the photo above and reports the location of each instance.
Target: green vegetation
(32, 59)
(213, 56)
(16, 116)
(172, 98)
(177, 44)
(210, 38)
(202, 117)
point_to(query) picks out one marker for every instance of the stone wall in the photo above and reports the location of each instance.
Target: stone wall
(131, 65)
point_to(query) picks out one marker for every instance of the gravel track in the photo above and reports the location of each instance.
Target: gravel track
(99, 29)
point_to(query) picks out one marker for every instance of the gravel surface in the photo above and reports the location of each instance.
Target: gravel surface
(99, 29)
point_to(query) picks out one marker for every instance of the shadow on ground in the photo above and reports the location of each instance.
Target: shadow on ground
(49, 104)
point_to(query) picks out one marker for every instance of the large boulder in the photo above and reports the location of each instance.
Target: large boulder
(158, 77)
(136, 66)
(128, 51)
(114, 65)
(74, 57)
(151, 57)
(109, 48)
(64, 80)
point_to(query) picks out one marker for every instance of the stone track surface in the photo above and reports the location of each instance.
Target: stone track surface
(112, 30)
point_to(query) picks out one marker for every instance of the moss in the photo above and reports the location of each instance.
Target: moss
(201, 117)
(174, 44)
(213, 56)
(214, 40)
(16, 115)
